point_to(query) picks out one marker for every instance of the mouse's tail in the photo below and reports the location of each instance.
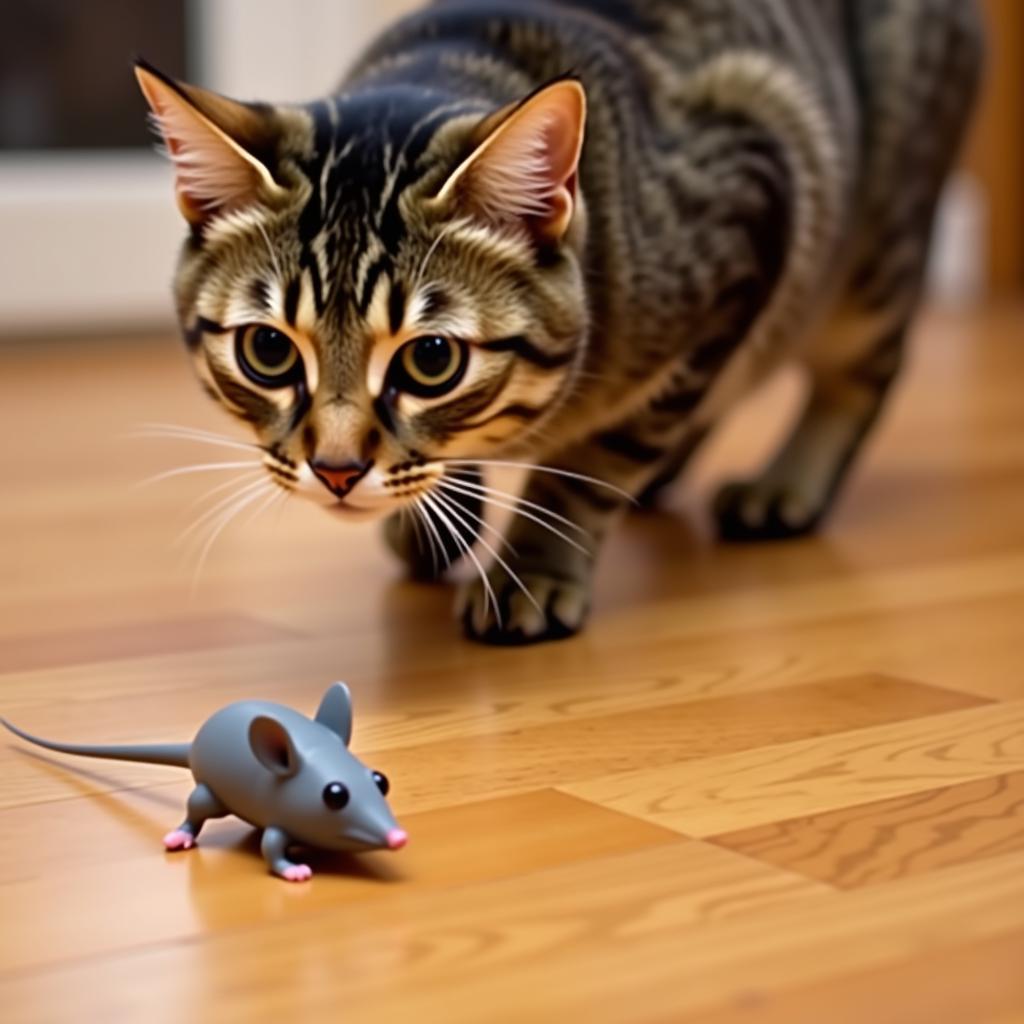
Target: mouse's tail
(175, 754)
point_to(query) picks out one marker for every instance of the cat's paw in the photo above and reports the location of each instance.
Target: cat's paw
(759, 510)
(557, 610)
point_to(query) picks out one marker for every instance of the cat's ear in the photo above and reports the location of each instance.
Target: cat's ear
(525, 162)
(211, 141)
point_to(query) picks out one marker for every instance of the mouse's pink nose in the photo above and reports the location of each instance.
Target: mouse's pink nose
(396, 839)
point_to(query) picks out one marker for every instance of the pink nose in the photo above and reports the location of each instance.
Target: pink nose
(340, 479)
(396, 839)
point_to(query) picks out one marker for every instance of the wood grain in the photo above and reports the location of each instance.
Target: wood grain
(979, 982)
(505, 956)
(136, 639)
(996, 153)
(895, 838)
(580, 744)
(561, 753)
(458, 845)
(775, 782)
(772, 783)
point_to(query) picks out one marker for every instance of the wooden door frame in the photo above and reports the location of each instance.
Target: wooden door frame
(995, 151)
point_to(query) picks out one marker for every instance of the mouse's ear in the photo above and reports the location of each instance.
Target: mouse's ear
(335, 711)
(273, 747)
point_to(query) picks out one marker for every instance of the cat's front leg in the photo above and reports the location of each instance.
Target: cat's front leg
(542, 592)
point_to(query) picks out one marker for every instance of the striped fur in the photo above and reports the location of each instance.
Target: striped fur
(755, 186)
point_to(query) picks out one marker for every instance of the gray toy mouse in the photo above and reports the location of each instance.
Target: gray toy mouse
(293, 777)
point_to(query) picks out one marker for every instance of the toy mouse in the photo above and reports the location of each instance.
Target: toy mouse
(293, 777)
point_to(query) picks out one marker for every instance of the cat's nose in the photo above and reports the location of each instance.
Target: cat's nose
(341, 479)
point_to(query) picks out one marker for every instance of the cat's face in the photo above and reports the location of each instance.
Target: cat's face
(379, 284)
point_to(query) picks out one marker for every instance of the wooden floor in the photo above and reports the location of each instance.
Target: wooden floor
(780, 784)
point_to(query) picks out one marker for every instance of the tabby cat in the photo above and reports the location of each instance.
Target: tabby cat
(568, 233)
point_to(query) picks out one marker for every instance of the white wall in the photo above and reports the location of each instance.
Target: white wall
(270, 49)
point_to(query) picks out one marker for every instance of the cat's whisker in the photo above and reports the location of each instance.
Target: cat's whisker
(224, 485)
(219, 507)
(273, 255)
(543, 469)
(467, 549)
(484, 525)
(286, 492)
(516, 500)
(180, 434)
(416, 515)
(430, 252)
(450, 505)
(222, 522)
(432, 531)
(486, 500)
(184, 428)
(199, 467)
(274, 496)
(409, 514)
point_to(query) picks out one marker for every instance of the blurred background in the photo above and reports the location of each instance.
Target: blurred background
(88, 227)
(87, 220)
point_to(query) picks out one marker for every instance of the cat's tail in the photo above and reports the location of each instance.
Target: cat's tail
(174, 754)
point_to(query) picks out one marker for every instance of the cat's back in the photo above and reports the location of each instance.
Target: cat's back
(633, 56)
(686, 32)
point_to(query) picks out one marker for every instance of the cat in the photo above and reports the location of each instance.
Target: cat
(568, 234)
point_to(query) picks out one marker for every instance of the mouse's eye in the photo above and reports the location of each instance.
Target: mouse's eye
(335, 795)
(382, 782)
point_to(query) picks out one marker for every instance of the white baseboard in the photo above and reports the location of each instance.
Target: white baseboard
(89, 242)
(958, 274)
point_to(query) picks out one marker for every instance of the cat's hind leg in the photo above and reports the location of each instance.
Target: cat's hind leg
(674, 467)
(796, 491)
(920, 62)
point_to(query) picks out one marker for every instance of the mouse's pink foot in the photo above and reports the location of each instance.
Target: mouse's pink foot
(297, 873)
(179, 839)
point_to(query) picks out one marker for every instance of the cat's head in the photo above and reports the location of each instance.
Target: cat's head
(382, 281)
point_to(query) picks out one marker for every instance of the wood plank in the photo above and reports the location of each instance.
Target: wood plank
(460, 770)
(971, 983)
(966, 645)
(909, 835)
(789, 780)
(996, 153)
(818, 600)
(534, 906)
(66, 915)
(137, 639)
(449, 772)
(534, 959)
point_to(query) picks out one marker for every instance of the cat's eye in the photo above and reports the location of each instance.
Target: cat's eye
(335, 795)
(382, 782)
(268, 357)
(429, 366)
